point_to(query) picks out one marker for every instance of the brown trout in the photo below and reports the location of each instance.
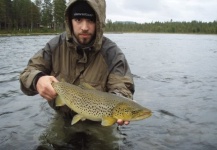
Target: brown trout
(95, 105)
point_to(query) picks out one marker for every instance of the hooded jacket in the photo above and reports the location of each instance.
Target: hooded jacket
(102, 65)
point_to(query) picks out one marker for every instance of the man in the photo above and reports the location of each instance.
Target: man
(81, 54)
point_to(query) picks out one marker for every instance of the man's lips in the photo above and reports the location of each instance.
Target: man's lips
(85, 35)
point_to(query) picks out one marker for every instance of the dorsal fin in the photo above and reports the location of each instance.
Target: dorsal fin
(86, 86)
(62, 80)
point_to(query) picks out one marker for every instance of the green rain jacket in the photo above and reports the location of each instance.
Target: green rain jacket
(102, 65)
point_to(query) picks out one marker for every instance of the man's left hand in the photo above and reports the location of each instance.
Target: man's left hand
(121, 122)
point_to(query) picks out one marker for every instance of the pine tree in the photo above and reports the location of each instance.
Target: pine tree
(47, 14)
(59, 9)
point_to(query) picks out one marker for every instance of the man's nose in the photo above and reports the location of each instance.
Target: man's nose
(84, 25)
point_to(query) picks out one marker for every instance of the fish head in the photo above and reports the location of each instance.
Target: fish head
(131, 112)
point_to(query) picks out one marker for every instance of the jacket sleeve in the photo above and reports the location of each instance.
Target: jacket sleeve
(40, 63)
(120, 79)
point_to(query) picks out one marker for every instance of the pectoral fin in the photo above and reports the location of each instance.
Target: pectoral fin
(59, 101)
(76, 118)
(108, 121)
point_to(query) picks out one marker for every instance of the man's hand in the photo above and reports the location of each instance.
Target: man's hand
(121, 122)
(45, 88)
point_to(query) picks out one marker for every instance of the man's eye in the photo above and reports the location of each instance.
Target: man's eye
(78, 20)
(91, 20)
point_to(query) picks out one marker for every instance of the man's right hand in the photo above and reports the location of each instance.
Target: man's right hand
(45, 88)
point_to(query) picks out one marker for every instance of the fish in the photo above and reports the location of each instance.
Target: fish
(89, 103)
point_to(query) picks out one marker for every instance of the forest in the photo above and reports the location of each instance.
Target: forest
(47, 16)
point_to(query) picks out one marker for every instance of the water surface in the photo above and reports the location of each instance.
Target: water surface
(175, 76)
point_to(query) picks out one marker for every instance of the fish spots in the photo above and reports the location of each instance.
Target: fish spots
(95, 105)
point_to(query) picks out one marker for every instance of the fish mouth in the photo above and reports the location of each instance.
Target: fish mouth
(142, 116)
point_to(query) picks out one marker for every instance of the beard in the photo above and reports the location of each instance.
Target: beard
(84, 38)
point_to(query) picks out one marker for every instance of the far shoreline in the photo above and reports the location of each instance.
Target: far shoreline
(27, 34)
(40, 34)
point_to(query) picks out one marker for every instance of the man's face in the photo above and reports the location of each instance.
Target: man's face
(84, 30)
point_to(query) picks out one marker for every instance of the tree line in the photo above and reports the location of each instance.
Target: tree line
(164, 27)
(21, 15)
(46, 16)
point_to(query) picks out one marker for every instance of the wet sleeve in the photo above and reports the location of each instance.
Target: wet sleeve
(39, 64)
(120, 79)
(121, 83)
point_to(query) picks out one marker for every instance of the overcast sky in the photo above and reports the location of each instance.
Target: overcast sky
(161, 10)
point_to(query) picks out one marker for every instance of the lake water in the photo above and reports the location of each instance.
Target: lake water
(175, 77)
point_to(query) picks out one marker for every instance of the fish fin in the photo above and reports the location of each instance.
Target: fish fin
(108, 121)
(86, 86)
(59, 101)
(62, 80)
(76, 118)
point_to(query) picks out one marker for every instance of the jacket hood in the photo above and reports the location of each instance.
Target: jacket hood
(99, 6)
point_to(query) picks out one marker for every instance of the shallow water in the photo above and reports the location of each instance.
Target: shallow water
(175, 76)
